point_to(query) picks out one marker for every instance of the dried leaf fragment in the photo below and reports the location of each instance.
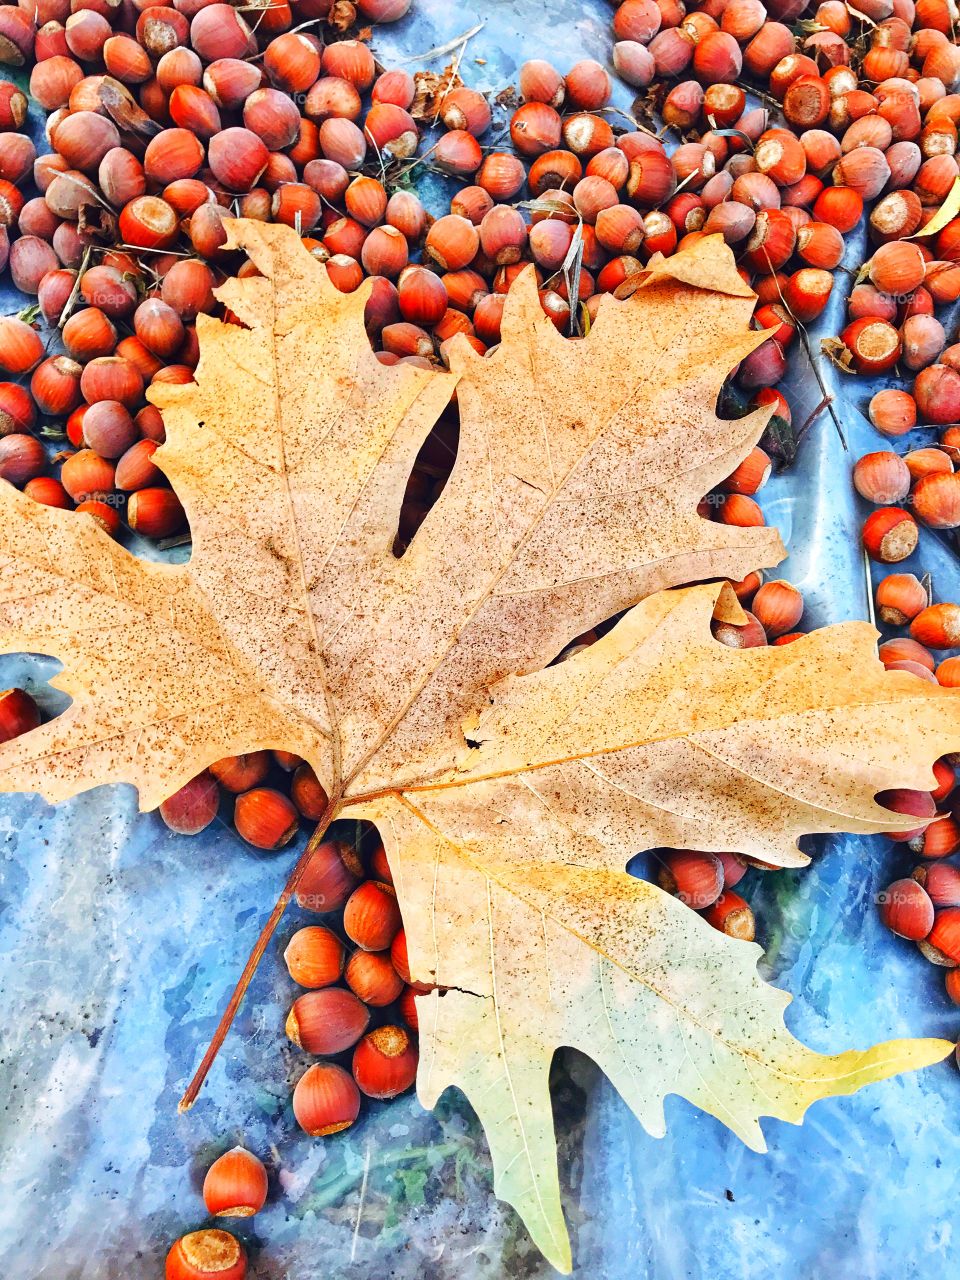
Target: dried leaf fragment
(430, 91)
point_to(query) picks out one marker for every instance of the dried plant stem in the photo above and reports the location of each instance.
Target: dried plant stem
(313, 22)
(454, 75)
(642, 128)
(826, 401)
(177, 540)
(71, 302)
(363, 1196)
(812, 416)
(253, 960)
(438, 50)
(827, 397)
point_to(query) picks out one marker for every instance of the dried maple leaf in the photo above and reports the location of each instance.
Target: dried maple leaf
(574, 495)
(510, 793)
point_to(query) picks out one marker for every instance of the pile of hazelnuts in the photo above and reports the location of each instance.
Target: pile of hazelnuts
(923, 907)
(868, 106)
(160, 120)
(354, 965)
(330, 1019)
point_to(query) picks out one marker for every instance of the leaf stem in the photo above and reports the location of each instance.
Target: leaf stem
(256, 955)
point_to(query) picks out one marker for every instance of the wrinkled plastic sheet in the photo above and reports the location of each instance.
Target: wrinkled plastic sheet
(120, 942)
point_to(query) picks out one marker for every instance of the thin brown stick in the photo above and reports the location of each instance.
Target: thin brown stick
(440, 49)
(812, 416)
(253, 960)
(642, 128)
(71, 301)
(827, 399)
(454, 75)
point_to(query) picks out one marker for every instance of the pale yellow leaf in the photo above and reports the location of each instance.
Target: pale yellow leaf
(510, 872)
(574, 494)
(511, 793)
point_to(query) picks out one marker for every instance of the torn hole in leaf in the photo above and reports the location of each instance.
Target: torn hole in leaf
(429, 476)
(158, 504)
(33, 673)
(576, 645)
(905, 803)
(586, 638)
(639, 865)
(230, 317)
